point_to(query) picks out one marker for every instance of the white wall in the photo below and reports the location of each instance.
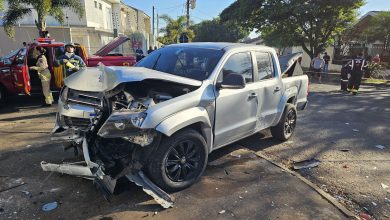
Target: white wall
(99, 14)
(306, 58)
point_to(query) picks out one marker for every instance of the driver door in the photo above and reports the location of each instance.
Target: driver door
(236, 109)
(20, 74)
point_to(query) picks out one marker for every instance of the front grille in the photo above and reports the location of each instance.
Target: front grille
(80, 123)
(85, 98)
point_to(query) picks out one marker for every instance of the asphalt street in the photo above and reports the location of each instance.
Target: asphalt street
(247, 187)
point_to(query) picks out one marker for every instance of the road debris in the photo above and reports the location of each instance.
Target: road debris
(347, 123)
(355, 130)
(345, 150)
(365, 216)
(374, 203)
(345, 166)
(306, 164)
(49, 206)
(28, 146)
(27, 193)
(380, 146)
(222, 211)
(12, 187)
(384, 186)
(235, 155)
(240, 197)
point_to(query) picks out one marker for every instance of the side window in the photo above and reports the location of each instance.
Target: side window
(240, 63)
(264, 65)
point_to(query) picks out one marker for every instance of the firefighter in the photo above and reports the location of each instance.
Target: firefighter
(345, 71)
(357, 66)
(71, 61)
(44, 74)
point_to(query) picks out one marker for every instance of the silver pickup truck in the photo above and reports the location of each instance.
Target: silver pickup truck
(156, 123)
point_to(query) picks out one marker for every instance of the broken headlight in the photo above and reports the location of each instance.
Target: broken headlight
(64, 94)
(138, 119)
(122, 124)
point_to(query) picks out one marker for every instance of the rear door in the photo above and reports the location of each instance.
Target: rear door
(269, 88)
(20, 72)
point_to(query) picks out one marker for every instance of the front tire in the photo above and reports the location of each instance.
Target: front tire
(179, 161)
(286, 126)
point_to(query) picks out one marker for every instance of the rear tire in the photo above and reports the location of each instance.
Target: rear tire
(179, 161)
(286, 126)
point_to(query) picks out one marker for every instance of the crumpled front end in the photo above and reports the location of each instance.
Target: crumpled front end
(107, 127)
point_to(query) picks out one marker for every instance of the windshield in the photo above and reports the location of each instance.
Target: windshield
(10, 55)
(194, 63)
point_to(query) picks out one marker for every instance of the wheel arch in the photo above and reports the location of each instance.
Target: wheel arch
(195, 118)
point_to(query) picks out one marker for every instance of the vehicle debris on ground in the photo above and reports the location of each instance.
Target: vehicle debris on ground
(306, 164)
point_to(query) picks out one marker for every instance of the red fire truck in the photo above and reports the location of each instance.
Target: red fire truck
(16, 78)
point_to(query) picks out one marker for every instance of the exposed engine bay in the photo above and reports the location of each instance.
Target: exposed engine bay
(113, 143)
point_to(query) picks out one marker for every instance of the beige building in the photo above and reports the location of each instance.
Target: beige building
(103, 20)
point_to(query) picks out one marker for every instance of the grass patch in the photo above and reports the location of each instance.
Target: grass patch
(375, 81)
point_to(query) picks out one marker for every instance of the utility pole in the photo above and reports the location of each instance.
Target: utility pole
(153, 22)
(188, 13)
(158, 30)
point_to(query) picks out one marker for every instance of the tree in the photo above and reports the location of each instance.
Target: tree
(379, 29)
(217, 31)
(311, 24)
(173, 29)
(17, 9)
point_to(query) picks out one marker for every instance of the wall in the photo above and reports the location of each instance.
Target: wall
(28, 34)
(91, 38)
(306, 60)
(99, 14)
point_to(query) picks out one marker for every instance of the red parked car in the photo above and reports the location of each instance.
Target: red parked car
(16, 78)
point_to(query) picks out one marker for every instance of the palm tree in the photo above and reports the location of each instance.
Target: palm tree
(174, 28)
(17, 9)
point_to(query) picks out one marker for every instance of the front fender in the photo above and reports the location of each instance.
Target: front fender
(183, 119)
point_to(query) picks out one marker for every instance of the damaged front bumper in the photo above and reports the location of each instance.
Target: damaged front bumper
(93, 171)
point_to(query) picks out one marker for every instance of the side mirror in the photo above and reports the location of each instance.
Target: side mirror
(232, 81)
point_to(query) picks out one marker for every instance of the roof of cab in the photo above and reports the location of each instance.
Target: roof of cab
(217, 45)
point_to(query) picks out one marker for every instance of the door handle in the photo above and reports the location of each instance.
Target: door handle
(252, 95)
(277, 89)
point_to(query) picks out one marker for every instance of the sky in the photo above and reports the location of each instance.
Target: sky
(208, 9)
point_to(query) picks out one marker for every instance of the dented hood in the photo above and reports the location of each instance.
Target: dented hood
(103, 78)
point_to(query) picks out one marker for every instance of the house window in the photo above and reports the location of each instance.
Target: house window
(95, 4)
(100, 6)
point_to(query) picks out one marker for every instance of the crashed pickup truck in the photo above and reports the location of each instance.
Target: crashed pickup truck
(156, 123)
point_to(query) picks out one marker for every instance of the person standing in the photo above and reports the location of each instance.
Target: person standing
(150, 50)
(376, 59)
(357, 66)
(71, 61)
(44, 74)
(326, 58)
(139, 53)
(318, 63)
